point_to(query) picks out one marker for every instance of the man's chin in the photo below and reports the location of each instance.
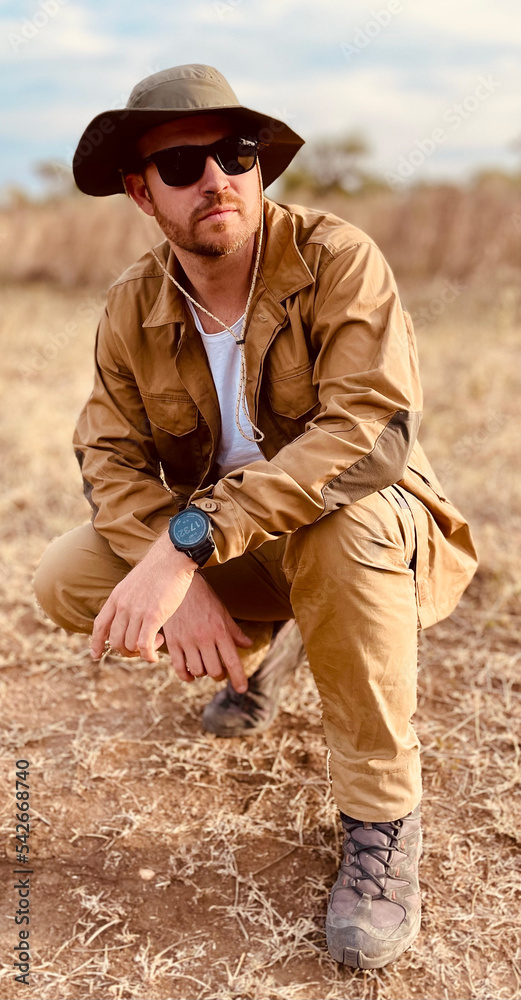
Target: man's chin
(222, 247)
(218, 250)
(222, 241)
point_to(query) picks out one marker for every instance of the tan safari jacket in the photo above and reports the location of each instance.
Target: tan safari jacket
(332, 382)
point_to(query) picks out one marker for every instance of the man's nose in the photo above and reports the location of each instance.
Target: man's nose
(214, 179)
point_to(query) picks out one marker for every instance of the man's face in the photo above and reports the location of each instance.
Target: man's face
(217, 214)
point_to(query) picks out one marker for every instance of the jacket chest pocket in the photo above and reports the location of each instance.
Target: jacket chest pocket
(174, 424)
(174, 414)
(294, 396)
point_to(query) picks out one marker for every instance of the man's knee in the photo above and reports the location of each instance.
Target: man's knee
(49, 581)
(76, 574)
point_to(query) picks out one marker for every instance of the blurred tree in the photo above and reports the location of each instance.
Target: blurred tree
(500, 175)
(12, 196)
(497, 176)
(57, 179)
(332, 165)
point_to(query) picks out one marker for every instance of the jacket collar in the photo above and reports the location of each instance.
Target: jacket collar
(283, 268)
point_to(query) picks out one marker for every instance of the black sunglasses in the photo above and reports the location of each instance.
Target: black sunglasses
(179, 166)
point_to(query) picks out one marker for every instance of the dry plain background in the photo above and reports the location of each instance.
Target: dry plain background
(241, 839)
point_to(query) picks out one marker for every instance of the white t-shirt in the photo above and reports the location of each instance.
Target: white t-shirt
(224, 359)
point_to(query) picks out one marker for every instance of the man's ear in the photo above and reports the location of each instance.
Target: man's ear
(136, 189)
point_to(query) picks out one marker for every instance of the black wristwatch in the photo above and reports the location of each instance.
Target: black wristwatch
(191, 532)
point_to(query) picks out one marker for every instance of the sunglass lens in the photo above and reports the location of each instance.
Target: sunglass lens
(180, 166)
(237, 156)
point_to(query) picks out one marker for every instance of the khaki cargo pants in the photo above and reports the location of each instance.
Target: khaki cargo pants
(348, 581)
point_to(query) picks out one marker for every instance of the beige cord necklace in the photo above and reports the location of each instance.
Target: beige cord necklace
(242, 403)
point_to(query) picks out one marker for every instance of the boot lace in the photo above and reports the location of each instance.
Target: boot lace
(377, 851)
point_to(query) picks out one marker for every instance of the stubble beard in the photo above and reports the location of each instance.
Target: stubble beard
(185, 237)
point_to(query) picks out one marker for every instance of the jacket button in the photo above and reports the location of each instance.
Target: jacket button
(209, 505)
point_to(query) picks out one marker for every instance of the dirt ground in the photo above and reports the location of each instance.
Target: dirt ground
(169, 865)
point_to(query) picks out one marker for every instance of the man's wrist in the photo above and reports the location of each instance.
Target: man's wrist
(179, 559)
(187, 561)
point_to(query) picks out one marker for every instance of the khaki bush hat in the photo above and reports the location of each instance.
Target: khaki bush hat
(107, 144)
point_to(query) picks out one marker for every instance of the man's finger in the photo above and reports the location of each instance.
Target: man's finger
(178, 662)
(117, 634)
(194, 663)
(239, 637)
(132, 634)
(146, 640)
(231, 660)
(212, 663)
(100, 631)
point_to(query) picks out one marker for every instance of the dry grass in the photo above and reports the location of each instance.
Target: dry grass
(74, 241)
(428, 230)
(169, 864)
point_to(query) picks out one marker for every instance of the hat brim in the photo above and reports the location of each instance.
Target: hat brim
(108, 141)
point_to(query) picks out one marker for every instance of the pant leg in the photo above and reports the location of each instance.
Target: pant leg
(353, 595)
(79, 570)
(76, 574)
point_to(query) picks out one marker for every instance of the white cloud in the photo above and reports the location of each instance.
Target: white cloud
(486, 22)
(50, 36)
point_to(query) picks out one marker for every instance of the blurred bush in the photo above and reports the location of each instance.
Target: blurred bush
(425, 230)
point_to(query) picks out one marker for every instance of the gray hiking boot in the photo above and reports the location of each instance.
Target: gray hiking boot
(233, 714)
(374, 907)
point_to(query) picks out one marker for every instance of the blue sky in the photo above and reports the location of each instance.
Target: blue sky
(394, 70)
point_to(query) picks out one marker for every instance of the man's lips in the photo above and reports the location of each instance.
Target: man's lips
(218, 211)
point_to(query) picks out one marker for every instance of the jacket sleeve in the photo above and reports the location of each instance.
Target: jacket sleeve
(119, 463)
(370, 397)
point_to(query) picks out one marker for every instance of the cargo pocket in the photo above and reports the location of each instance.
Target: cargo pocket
(432, 482)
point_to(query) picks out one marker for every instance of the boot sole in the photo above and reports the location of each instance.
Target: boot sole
(355, 957)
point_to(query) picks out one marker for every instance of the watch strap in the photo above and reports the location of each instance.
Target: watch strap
(202, 552)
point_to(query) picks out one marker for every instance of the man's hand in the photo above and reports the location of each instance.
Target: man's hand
(138, 606)
(202, 638)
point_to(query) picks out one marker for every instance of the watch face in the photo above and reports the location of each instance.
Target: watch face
(189, 528)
